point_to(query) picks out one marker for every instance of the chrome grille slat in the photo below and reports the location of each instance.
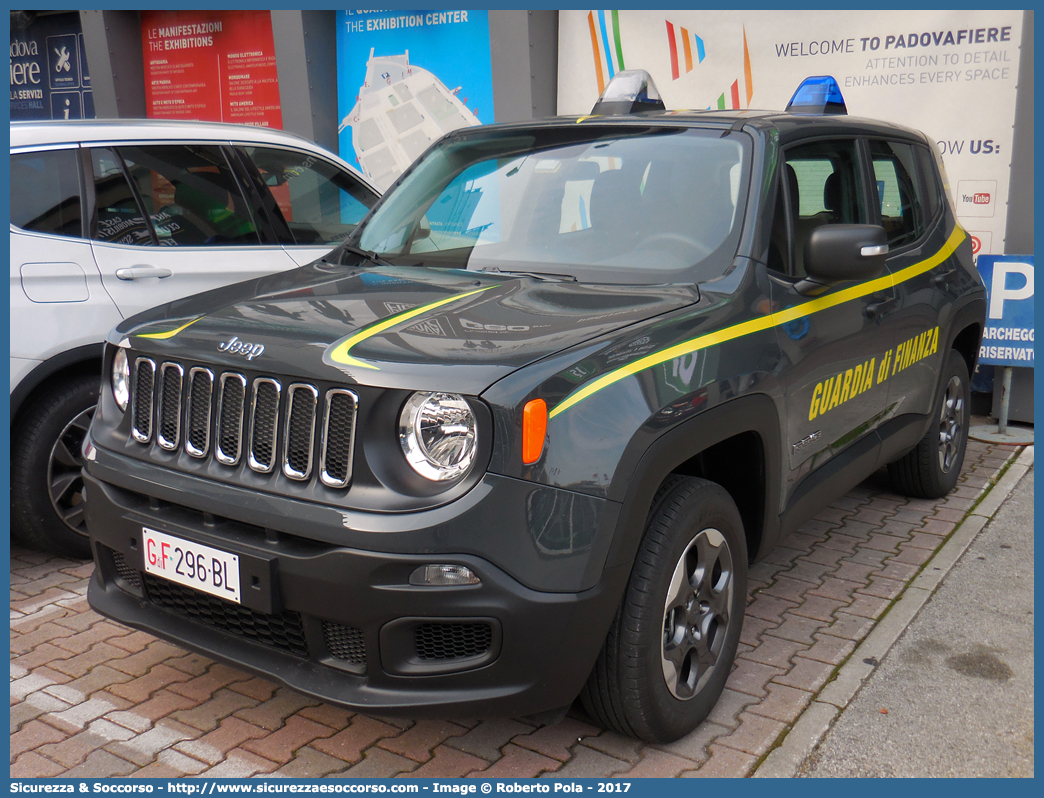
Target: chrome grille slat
(168, 404)
(299, 433)
(264, 424)
(338, 438)
(197, 411)
(228, 447)
(141, 407)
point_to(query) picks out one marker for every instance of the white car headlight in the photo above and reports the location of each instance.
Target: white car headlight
(438, 435)
(121, 379)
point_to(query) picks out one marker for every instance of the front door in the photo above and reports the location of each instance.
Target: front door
(833, 352)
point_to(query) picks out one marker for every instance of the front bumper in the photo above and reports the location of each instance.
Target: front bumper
(343, 623)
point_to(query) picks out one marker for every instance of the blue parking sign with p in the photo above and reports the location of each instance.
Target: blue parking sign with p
(1007, 339)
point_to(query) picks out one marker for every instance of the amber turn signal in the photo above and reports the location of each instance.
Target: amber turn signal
(534, 428)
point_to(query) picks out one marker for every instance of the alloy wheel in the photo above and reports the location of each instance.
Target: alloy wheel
(697, 613)
(951, 417)
(64, 480)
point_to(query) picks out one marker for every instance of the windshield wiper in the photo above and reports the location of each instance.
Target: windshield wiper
(366, 254)
(544, 276)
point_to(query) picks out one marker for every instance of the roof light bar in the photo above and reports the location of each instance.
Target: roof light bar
(630, 92)
(817, 95)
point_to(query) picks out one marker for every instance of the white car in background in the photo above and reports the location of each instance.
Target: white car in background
(110, 218)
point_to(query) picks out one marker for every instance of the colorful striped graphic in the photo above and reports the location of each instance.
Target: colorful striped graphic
(608, 52)
(679, 43)
(680, 38)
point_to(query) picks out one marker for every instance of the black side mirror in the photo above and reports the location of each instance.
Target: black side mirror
(838, 252)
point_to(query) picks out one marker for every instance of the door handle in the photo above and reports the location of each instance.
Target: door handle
(141, 271)
(875, 309)
(943, 279)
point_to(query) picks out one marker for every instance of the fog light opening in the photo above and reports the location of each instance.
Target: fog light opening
(444, 575)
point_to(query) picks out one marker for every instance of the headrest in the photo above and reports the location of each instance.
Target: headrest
(832, 192)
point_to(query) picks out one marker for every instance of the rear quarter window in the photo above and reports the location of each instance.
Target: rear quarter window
(45, 193)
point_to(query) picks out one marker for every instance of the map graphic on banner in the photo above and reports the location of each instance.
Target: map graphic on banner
(949, 74)
(217, 66)
(406, 78)
(49, 77)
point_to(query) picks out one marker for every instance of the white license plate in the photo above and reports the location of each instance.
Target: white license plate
(192, 564)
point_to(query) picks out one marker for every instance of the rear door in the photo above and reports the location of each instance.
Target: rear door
(172, 220)
(833, 352)
(910, 205)
(57, 299)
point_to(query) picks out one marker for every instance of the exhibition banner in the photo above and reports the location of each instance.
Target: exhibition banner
(949, 74)
(403, 79)
(49, 77)
(217, 66)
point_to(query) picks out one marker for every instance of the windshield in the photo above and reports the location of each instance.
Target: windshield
(601, 204)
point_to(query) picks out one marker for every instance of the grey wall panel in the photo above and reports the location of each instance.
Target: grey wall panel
(306, 59)
(1018, 234)
(524, 47)
(112, 40)
(543, 44)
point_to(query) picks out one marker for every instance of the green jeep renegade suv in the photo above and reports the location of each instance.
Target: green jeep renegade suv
(518, 439)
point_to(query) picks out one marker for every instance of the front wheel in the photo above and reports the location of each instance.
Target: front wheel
(674, 638)
(46, 459)
(931, 470)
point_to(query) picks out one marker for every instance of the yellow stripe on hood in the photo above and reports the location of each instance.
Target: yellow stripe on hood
(163, 336)
(339, 353)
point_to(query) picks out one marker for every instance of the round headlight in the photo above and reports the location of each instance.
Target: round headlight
(438, 435)
(121, 379)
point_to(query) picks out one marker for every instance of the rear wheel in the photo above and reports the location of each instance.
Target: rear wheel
(674, 638)
(46, 458)
(931, 470)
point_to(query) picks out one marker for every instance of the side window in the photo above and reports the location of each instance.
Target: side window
(902, 211)
(119, 218)
(929, 179)
(321, 203)
(45, 192)
(823, 184)
(191, 195)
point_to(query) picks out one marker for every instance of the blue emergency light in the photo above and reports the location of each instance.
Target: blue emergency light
(817, 95)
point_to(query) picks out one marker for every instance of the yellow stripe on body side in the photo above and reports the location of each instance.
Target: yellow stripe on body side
(163, 336)
(764, 323)
(339, 354)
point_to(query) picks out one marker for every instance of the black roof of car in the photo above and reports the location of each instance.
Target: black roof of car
(789, 126)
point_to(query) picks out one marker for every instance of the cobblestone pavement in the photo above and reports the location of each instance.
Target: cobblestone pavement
(91, 698)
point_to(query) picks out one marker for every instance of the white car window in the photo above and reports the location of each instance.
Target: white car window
(45, 193)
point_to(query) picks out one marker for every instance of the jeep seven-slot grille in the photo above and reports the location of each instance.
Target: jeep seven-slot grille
(246, 419)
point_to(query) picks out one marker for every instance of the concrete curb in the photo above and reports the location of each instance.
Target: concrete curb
(814, 723)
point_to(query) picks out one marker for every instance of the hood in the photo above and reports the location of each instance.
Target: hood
(398, 327)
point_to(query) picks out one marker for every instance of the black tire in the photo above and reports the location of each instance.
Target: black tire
(46, 486)
(931, 470)
(693, 525)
